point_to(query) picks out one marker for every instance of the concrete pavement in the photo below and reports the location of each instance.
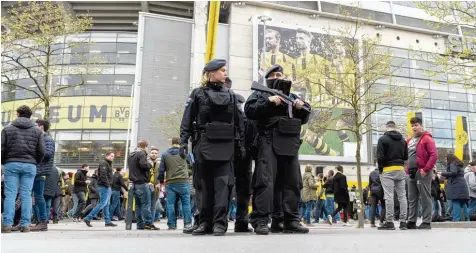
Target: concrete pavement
(68, 237)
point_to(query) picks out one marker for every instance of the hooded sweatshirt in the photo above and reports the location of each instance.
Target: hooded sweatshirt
(139, 167)
(392, 152)
(22, 141)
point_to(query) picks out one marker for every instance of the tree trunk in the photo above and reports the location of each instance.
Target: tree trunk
(46, 115)
(360, 199)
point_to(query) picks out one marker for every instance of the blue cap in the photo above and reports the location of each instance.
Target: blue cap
(214, 65)
(274, 68)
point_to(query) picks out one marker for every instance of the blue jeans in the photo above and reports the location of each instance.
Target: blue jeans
(231, 209)
(320, 210)
(18, 175)
(115, 208)
(174, 191)
(307, 215)
(436, 206)
(142, 197)
(40, 203)
(152, 205)
(367, 211)
(472, 206)
(75, 205)
(330, 206)
(457, 206)
(104, 202)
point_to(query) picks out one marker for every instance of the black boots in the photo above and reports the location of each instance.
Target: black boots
(295, 228)
(387, 226)
(262, 228)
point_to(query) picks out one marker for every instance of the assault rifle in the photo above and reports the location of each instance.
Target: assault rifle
(287, 99)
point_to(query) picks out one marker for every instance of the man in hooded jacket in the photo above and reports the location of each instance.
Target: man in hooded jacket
(392, 152)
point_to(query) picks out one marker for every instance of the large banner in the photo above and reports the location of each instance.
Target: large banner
(461, 138)
(66, 113)
(305, 55)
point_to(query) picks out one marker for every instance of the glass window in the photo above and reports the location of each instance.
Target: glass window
(123, 79)
(461, 97)
(126, 48)
(400, 62)
(440, 104)
(82, 38)
(400, 71)
(459, 106)
(127, 37)
(77, 48)
(418, 64)
(440, 114)
(435, 94)
(102, 47)
(438, 86)
(125, 69)
(454, 114)
(399, 52)
(126, 58)
(103, 37)
(442, 133)
(418, 73)
(118, 135)
(426, 103)
(443, 143)
(419, 83)
(68, 135)
(95, 135)
(400, 81)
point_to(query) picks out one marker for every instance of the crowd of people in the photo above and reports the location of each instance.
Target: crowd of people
(214, 183)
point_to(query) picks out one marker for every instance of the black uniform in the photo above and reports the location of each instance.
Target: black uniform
(215, 112)
(242, 167)
(277, 163)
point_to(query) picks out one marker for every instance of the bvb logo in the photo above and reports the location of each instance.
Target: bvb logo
(462, 138)
(121, 114)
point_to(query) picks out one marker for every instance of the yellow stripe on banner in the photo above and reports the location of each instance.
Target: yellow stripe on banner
(461, 137)
(410, 115)
(212, 29)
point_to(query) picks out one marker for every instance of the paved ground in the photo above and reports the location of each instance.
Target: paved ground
(71, 237)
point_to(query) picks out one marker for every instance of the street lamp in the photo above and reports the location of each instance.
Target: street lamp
(264, 18)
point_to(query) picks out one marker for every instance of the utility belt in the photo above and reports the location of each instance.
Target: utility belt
(285, 136)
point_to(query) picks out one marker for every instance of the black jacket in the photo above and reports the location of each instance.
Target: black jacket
(375, 183)
(139, 167)
(46, 166)
(118, 182)
(80, 181)
(52, 184)
(93, 187)
(329, 185)
(105, 173)
(392, 150)
(341, 190)
(22, 141)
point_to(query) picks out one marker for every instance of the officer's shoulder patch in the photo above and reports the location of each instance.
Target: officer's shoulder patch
(189, 101)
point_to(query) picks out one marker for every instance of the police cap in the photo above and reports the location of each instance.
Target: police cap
(214, 65)
(274, 68)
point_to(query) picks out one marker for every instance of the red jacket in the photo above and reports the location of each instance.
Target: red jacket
(426, 152)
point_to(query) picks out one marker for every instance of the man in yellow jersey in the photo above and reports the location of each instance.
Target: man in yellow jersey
(309, 74)
(321, 199)
(154, 175)
(392, 152)
(273, 54)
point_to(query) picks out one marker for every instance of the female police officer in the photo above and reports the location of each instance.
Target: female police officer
(213, 108)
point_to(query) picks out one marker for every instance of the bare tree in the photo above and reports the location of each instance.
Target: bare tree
(32, 48)
(345, 87)
(457, 63)
(170, 122)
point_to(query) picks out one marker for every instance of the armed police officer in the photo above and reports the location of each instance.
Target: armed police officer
(213, 107)
(242, 167)
(277, 164)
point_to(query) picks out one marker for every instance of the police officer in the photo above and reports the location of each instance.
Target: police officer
(277, 163)
(213, 107)
(242, 167)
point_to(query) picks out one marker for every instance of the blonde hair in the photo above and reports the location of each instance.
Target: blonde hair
(205, 78)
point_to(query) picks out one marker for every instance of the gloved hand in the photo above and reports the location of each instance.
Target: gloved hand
(183, 150)
(242, 152)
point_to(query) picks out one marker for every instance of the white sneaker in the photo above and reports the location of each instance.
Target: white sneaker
(346, 224)
(329, 219)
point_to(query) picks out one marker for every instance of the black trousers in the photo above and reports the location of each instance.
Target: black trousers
(242, 169)
(341, 207)
(216, 178)
(196, 181)
(374, 199)
(276, 184)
